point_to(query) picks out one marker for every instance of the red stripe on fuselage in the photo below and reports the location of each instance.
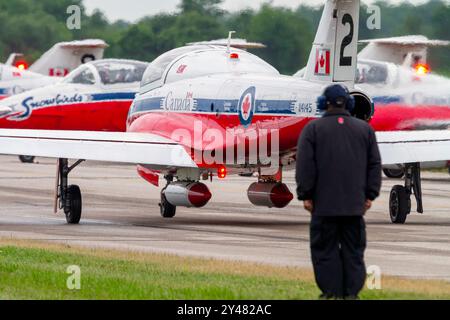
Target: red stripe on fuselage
(171, 124)
(394, 117)
(91, 116)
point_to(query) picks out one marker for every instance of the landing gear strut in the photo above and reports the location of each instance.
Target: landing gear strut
(68, 197)
(400, 197)
(166, 209)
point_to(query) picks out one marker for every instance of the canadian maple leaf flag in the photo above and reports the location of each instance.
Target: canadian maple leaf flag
(322, 62)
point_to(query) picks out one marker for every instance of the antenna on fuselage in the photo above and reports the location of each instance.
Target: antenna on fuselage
(230, 35)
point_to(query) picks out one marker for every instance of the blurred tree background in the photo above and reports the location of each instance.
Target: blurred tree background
(32, 27)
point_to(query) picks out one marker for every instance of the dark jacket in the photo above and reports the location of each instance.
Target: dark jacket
(338, 164)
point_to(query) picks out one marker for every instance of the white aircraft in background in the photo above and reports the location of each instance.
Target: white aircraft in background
(407, 96)
(63, 57)
(205, 92)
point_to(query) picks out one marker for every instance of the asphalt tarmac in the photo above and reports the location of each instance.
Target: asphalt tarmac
(120, 210)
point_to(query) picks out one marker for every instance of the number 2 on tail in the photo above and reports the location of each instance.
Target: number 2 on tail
(346, 60)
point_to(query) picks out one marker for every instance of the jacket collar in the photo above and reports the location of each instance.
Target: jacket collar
(336, 112)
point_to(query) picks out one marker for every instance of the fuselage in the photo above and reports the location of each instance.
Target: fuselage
(69, 107)
(94, 97)
(201, 118)
(199, 109)
(404, 99)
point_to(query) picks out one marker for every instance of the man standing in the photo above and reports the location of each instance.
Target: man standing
(338, 176)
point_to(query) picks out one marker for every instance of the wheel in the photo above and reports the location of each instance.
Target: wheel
(394, 173)
(26, 159)
(167, 210)
(73, 211)
(399, 204)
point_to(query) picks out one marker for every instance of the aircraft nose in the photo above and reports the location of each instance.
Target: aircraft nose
(4, 110)
(8, 105)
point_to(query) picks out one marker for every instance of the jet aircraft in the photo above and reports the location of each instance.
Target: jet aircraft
(95, 96)
(207, 111)
(407, 95)
(63, 57)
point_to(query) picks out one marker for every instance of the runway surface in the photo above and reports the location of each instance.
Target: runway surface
(120, 210)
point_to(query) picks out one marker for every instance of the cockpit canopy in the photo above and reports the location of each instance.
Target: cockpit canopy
(201, 60)
(108, 72)
(371, 72)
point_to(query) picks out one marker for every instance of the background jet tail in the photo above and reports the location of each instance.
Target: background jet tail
(407, 50)
(13, 58)
(334, 51)
(63, 57)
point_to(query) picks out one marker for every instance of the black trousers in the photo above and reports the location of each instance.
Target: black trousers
(337, 251)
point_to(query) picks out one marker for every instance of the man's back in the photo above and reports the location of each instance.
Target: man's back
(338, 176)
(339, 164)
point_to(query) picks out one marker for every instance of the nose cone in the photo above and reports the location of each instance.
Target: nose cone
(9, 105)
(4, 110)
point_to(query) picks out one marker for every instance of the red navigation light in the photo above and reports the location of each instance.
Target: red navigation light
(222, 172)
(234, 55)
(22, 65)
(422, 69)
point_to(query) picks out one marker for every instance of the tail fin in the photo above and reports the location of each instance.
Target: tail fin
(13, 58)
(334, 51)
(406, 50)
(63, 57)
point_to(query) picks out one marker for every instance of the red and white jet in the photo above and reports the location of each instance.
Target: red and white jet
(96, 96)
(63, 57)
(205, 111)
(395, 73)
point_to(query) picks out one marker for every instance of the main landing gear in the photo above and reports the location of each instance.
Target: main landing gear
(400, 197)
(68, 197)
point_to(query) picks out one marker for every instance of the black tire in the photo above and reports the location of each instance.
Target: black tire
(394, 173)
(26, 159)
(399, 204)
(167, 210)
(73, 211)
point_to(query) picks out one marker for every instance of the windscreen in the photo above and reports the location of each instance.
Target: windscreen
(368, 72)
(118, 72)
(156, 69)
(81, 75)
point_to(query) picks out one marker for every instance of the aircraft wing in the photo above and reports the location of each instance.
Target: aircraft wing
(398, 147)
(87, 43)
(234, 43)
(124, 147)
(408, 41)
